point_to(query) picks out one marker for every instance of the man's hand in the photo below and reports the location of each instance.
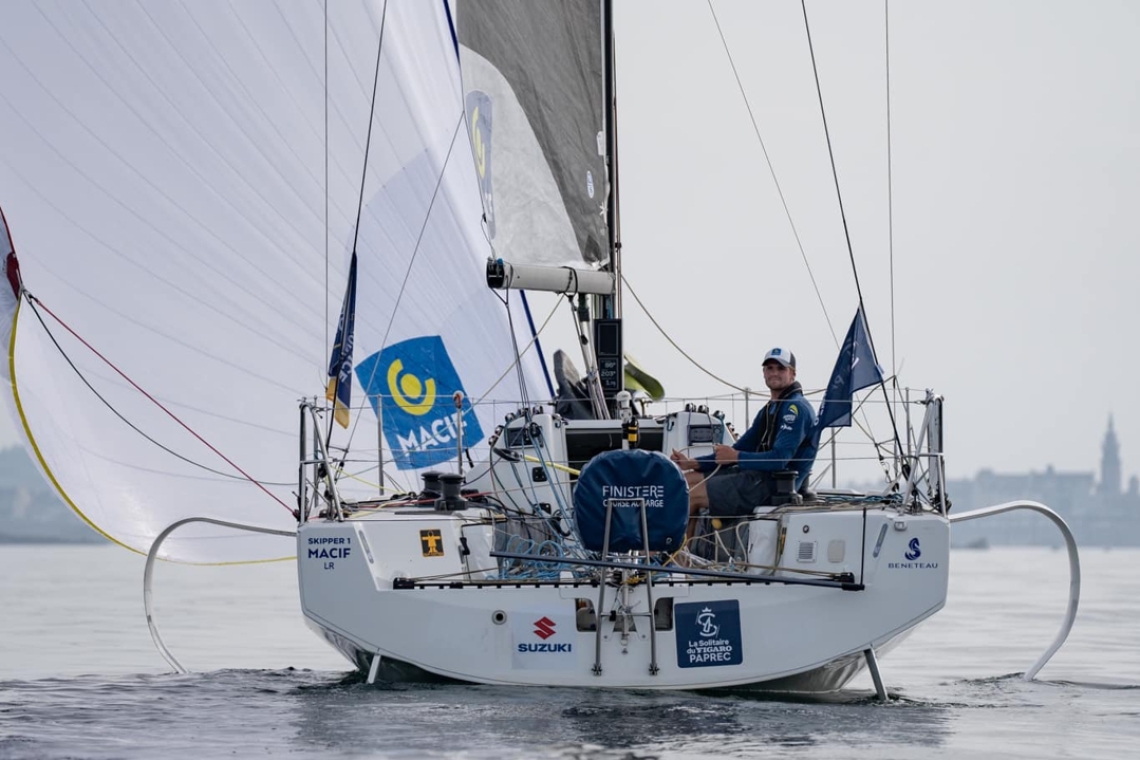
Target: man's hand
(684, 462)
(725, 454)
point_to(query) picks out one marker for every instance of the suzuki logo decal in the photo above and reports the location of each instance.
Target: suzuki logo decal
(544, 628)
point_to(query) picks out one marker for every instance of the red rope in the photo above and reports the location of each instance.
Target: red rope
(155, 401)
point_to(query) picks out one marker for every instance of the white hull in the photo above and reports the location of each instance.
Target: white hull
(369, 586)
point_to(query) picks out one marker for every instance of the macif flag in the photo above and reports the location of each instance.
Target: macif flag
(340, 363)
(855, 369)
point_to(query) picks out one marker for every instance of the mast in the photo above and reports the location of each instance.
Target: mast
(555, 107)
(607, 324)
(613, 302)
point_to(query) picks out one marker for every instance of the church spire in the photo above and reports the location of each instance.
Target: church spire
(1109, 463)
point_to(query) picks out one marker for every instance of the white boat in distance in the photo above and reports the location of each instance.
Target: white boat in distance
(192, 189)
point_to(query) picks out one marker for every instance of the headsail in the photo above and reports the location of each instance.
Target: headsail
(533, 79)
(169, 186)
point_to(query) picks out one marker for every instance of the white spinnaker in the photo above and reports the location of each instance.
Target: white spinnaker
(162, 170)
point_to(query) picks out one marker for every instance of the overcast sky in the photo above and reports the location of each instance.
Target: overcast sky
(1015, 156)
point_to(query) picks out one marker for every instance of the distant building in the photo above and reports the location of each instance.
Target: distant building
(1098, 511)
(1109, 484)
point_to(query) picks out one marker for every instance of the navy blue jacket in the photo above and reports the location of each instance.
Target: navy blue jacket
(782, 437)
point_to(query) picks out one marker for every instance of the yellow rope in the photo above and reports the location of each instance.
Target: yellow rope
(555, 465)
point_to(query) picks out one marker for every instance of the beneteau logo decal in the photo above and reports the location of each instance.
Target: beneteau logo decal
(411, 386)
(544, 628)
(912, 553)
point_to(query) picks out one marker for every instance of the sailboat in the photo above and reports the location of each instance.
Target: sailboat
(223, 228)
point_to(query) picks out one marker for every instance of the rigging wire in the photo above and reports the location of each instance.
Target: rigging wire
(890, 180)
(326, 88)
(843, 213)
(772, 171)
(517, 363)
(371, 118)
(537, 345)
(891, 211)
(866, 430)
(563, 509)
(411, 262)
(518, 357)
(33, 302)
(325, 83)
(831, 157)
(363, 180)
(673, 343)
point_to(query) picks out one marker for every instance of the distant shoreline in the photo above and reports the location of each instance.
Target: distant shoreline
(54, 540)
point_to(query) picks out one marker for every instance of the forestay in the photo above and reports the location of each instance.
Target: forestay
(172, 197)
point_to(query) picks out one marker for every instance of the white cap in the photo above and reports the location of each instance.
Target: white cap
(782, 355)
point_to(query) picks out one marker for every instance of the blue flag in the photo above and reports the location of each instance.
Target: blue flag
(340, 363)
(855, 369)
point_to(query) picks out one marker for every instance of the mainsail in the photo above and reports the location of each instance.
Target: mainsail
(534, 83)
(182, 184)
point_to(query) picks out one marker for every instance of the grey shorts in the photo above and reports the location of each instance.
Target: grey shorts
(737, 493)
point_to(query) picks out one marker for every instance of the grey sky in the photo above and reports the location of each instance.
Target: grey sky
(1015, 157)
(1015, 130)
(1016, 169)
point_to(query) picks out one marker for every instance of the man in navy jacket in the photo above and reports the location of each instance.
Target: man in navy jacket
(735, 479)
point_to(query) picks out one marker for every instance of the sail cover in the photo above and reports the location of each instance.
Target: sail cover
(181, 182)
(533, 81)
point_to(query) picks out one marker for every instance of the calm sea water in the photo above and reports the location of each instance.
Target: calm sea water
(80, 678)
